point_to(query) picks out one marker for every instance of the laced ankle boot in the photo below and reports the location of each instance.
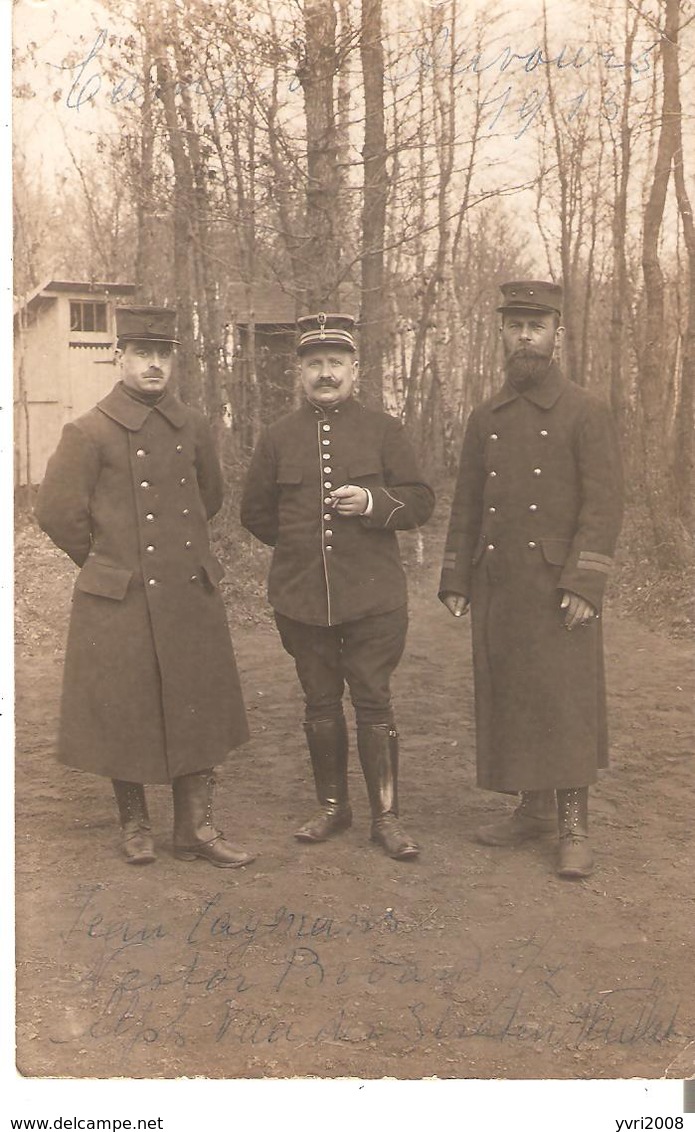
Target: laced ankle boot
(327, 741)
(534, 817)
(136, 831)
(195, 835)
(575, 858)
(378, 750)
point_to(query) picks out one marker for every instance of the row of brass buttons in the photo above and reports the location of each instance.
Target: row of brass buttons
(328, 484)
(543, 432)
(141, 452)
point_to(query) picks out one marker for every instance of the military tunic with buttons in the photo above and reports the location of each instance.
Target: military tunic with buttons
(327, 570)
(151, 690)
(537, 510)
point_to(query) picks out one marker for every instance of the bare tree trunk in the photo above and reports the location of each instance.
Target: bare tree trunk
(145, 282)
(372, 322)
(209, 322)
(569, 173)
(619, 299)
(684, 448)
(188, 374)
(348, 229)
(653, 376)
(316, 76)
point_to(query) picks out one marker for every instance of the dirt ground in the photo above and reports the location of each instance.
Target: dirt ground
(332, 960)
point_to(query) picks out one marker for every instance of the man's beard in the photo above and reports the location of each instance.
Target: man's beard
(525, 368)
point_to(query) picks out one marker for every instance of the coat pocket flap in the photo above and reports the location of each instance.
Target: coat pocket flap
(103, 580)
(555, 550)
(289, 473)
(214, 570)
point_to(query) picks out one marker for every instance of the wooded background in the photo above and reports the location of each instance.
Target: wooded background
(398, 161)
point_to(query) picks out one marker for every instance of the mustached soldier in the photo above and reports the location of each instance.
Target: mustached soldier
(150, 692)
(328, 487)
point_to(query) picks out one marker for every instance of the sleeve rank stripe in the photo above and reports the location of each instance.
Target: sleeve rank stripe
(602, 567)
(594, 556)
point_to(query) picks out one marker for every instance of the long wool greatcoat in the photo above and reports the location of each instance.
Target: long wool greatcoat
(537, 510)
(328, 569)
(150, 689)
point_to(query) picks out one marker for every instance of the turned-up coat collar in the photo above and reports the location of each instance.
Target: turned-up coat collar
(132, 414)
(545, 394)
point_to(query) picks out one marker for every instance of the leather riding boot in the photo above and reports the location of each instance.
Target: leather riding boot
(328, 749)
(534, 817)
(138, 845)
(194, 832)
(378, 749)
(575, 856)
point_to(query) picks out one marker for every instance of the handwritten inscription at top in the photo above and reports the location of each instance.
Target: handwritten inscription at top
(92, 85)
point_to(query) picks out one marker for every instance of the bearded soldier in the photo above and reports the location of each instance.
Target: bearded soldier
(534, 523)
(328, 487)
(150, 692)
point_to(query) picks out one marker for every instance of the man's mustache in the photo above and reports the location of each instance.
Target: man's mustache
(154, 373)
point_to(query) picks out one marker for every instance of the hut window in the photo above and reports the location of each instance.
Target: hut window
(88, 316)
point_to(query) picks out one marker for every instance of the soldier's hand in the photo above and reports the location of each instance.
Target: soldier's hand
(457, 604)
(578, 610)
(350, 500)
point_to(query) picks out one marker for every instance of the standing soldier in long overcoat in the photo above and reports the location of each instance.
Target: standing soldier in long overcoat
(328, 487)
(151, 692)
(534, 523)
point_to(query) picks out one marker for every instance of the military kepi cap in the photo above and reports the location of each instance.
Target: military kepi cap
(146, 324)
(325, 330)
(531, 295)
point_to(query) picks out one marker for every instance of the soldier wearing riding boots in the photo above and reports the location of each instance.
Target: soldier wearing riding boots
(328, 487)
(534, 523)
(151, 692)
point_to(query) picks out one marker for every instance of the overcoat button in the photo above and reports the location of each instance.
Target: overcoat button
(326, 428)
(533, 507)
(144, 483)
(492, 510)
(327, 483)
(493, 474)
(328, 546)
(185, 511)
(491, 546)
(150, 549)
(537, 471)
(327, 518)
(326, 470)
(324, 441)
(328, 500)
(544, 432)
(149, 517)
(179, 447)
(152, 581)
(141, 452)
(494, 436)
(193, 578)
(532, 545)
(183, 481)
(328, 533)
(188, 544)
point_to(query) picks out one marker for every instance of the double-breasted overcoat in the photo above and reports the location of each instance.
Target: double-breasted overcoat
(537, 510)
(150, 688)
(327, 569)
